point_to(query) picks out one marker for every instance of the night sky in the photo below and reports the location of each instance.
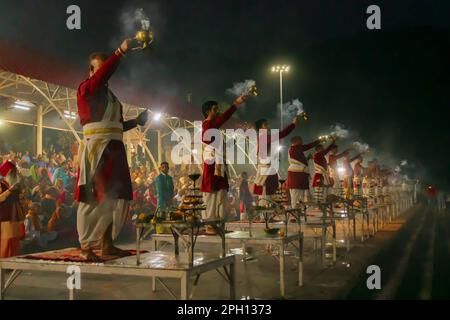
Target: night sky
(389, 87)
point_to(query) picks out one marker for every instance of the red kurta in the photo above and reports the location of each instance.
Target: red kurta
(299, 180)
(271, 183)
(112, 176)
(11, 213)
(210, 181)
(319, 158)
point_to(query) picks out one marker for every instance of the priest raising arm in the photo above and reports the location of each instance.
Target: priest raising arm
(103, 188)
(215, 179)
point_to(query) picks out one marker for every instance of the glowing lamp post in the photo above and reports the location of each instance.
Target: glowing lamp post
(281, 69)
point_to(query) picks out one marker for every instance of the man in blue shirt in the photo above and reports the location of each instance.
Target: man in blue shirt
(164, 188)
(27, 157)
(62, 173)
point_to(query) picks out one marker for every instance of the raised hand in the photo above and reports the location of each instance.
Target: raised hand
(125, 46)
(240, 100)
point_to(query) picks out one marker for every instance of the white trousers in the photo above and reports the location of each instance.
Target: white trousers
(94, 218)
(215, 204)
(298, 195)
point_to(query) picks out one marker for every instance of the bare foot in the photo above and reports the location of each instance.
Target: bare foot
(114, 251)
(89, 255)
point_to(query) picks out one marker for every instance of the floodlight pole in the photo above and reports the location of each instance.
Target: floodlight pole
(281, 99)
(39, 121)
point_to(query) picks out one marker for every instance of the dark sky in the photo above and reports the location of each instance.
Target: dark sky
(390, 87)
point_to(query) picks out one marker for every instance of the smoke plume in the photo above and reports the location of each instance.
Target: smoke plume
(293, 108)
(339, 131)
(361, 146)
(241, 87)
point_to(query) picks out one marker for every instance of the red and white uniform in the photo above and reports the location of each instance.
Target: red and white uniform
(214, 180)
(268, 184)
(358, 178)
(298, 172)
(321, 176)
(103, 186)
(347, 183)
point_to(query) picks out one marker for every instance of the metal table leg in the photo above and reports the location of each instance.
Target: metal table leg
(2, 283)
(153, 284)
(300, 261)
(281, 256)
(138, 245)
(232, 281)
(323, 244)
(334, 241)
(184, 286)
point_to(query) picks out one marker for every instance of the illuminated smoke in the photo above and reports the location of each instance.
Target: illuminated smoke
(361, 146)
(293, 108)
(133, 17)
(141, 16)
(339, 131)
(241, 87)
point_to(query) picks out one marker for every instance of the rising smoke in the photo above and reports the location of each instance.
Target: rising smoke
(241, 87)
(361, 146)
(292, 108)
(339, 131)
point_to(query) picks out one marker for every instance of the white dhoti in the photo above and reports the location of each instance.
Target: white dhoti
(215, 204)
(94, 218)
(298, 195)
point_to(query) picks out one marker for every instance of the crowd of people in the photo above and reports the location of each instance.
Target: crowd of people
(46, 194)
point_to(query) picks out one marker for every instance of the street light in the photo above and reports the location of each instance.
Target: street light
(281, 69)
(157, 116)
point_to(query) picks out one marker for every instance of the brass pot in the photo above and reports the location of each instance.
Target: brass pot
(145, 38)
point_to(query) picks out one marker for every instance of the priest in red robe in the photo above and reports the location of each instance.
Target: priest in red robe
(358, 174)
(321, 179)
(266, 185)
(103, 187)
(347, 182)
(214, 184)
(333, 159)
(298, 170)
